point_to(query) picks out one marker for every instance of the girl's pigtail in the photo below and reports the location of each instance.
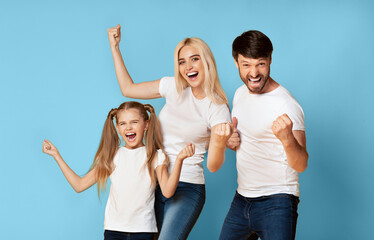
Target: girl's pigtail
(153, 140)
(108, 147)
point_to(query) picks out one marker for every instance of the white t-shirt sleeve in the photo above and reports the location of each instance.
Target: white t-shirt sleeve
(160, 158)
(166, 85)
(296, 114)
(237, 95)
(218, 114)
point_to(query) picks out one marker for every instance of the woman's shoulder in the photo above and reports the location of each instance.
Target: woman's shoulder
(167, 80)
(167, 84)
(213, 105)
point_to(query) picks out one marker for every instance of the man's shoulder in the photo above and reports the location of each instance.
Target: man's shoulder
(286, 95)
(240, 90)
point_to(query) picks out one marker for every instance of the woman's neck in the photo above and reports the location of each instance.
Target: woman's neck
(198, 92)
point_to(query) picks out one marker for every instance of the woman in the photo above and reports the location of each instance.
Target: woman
(196, 111)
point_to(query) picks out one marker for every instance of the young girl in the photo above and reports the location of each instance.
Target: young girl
(130, 207)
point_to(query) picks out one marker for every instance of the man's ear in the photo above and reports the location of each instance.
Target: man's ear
(236, 63)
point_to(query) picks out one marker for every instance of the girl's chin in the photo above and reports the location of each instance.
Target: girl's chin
(133, 145)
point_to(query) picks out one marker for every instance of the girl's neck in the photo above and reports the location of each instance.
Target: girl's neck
(133, 148)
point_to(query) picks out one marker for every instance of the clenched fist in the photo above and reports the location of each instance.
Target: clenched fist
(186, 152)
(282, 128)
(234, 141)
(222, 133)
(49, 148)
(114, 35)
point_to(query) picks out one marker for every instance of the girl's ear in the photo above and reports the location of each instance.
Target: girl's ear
(146, 125)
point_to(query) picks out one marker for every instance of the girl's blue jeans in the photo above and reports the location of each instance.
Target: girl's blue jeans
(115, 235)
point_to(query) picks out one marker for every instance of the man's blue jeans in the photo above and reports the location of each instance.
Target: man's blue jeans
(269, 217)
(177, 215)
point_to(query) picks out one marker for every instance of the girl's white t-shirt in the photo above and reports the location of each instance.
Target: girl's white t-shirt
(186, 119)
(130, 206)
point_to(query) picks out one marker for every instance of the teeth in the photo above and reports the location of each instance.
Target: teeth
(255, 80)
(191, 73)
(130, 135)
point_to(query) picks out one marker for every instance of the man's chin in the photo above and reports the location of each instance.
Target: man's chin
(254, 90)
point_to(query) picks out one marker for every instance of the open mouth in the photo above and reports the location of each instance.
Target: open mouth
(255, 80)
(192, 75)
(131, 137)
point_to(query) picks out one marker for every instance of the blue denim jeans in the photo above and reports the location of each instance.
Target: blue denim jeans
(177, 215)
(115, 235)
(269, 217)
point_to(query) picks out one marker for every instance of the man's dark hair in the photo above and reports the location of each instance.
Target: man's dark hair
(252, 44)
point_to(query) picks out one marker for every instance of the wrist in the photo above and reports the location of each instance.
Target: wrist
(56, 155)
(289, 142)
(219, 144)
(179, 160)
(114, 47)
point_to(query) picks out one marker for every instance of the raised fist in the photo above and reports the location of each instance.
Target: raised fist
(49, 148)
(186, 152)
(114, 35)
(222, 132)
(282, 127)
(234, 141)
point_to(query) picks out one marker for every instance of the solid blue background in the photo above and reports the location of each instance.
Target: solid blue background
(58, 82)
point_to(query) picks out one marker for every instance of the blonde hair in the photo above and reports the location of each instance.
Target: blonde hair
(110, 142)
(211, 85)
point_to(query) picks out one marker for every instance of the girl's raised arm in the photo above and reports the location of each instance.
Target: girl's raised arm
(78, 183)
(168, 184)
(144, 90)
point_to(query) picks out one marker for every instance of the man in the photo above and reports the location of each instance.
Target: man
(271, 149)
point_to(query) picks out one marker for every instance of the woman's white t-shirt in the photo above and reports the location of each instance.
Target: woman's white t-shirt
(186, 119)
(130, 206)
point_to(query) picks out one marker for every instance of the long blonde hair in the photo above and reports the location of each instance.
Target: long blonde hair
(110, 142)
(212, 86)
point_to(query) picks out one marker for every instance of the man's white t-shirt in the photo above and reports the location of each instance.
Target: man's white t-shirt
(261, 160)
(187, 119)
(130, 206)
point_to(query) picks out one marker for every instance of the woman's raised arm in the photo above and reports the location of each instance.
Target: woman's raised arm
(144, 90)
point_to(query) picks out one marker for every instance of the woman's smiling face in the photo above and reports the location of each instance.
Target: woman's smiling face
(191, 66)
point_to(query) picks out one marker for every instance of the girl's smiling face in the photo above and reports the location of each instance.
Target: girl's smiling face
(131, 127)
